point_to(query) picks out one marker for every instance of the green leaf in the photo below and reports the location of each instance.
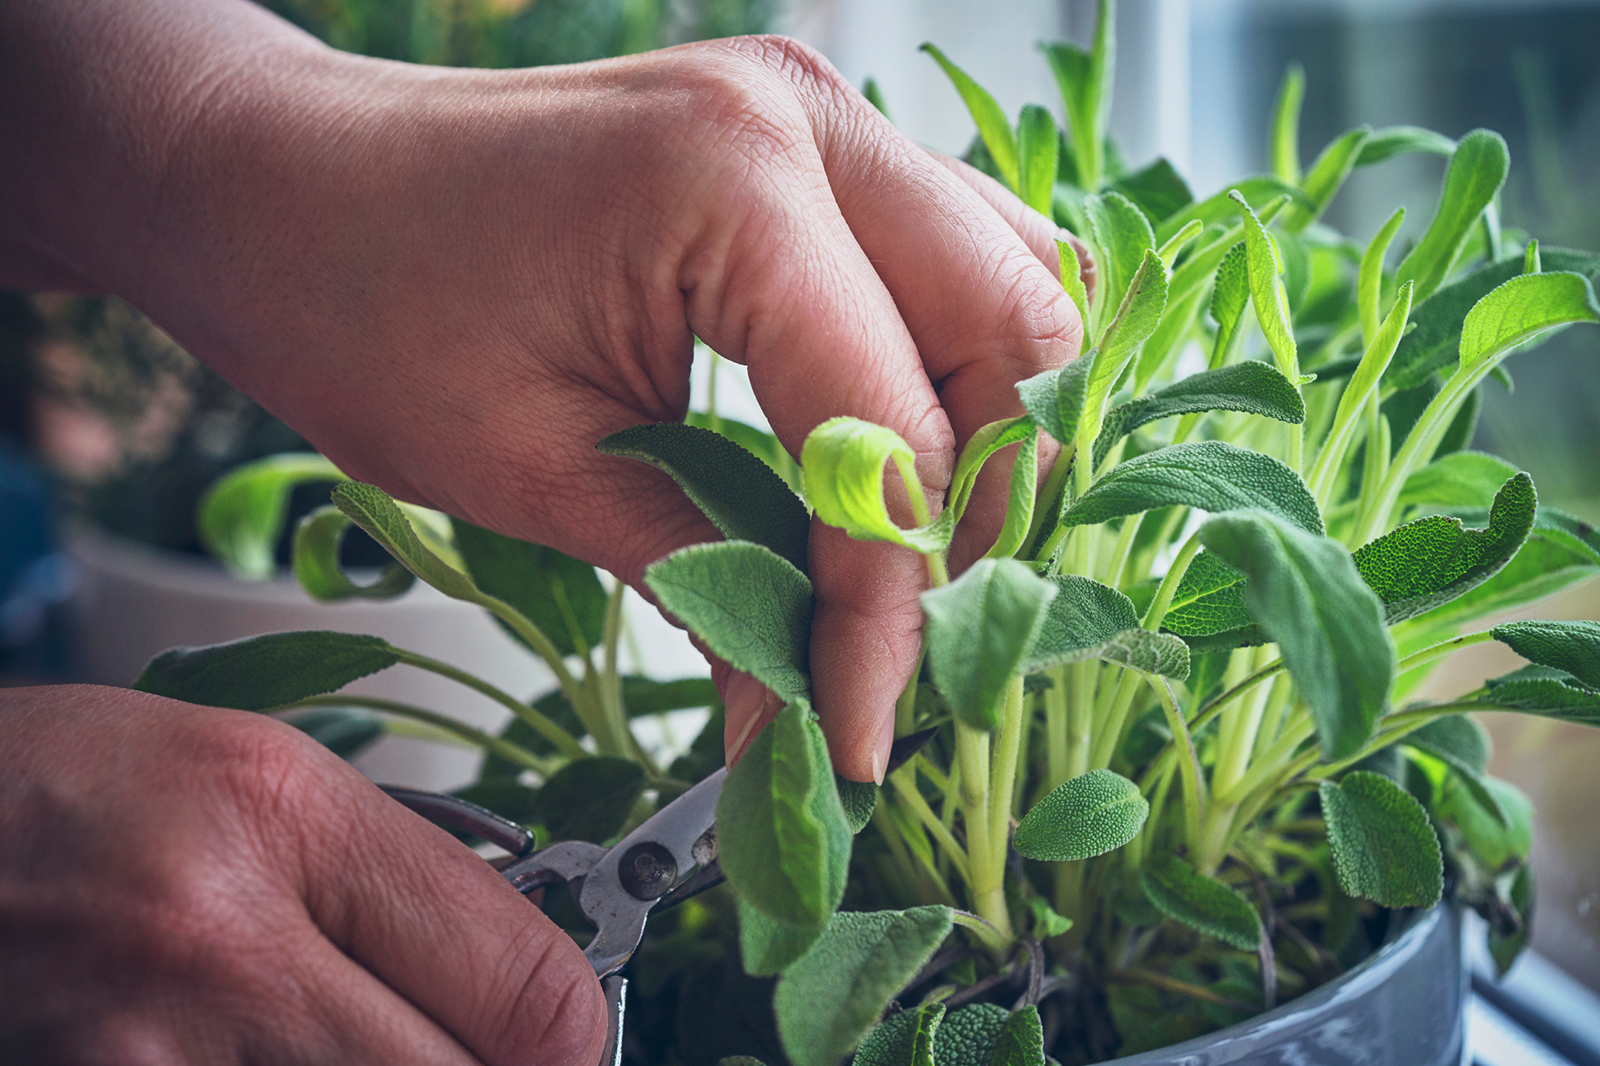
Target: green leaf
(1123, 235)
(1263, 264)
(1327, 174)
(1435, 341)
(1147, 652)
(1433, 560)
(1258, 190)
(1087, 816)
(908, 1038)
(1230, 298)
(980, 448)
(1158, 190)
(967, 1037)
(1545, 692)
(987, 115)
(1284, 143)
(840, 987)
(749, 605)
(1208, 475)
(559, 594)
(1056, 398)
(1526, 305)
(979, 631)
(1255, 388)
(844, 460)
(874, 94)
(342, 730)
(1204, 904)
(1390, 141)
(859, 799)
(591, 799)
(1477, 170)
(1306, 594)
(375, 512)
(1082, 617)
(733, 487)
(317, 539)
(1136, 319)
(241, 516)
(767, 947)
(781, 831)
(1369, 283)
(1462, 745)
(1495, 819)
(1571, 647)
(1209, 599)
(1038, 152)
(1020, 500)
(1072, 279)
(260, 673)
(1021, 1040)
(1531, 261)
(1506, 946)
(758, 442)
(1460, 479)
(1085, 79)
(1383, 847)
(1046, 922)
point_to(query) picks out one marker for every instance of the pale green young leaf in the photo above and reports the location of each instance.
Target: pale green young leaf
(1207, 475)
(559, 594)
(1519, 309)
(1142, 305)
(385, 522)
(1204, 904)
(1499, 834)
(909, 1038)
(1571, 647)
(967, 1036)
(1477, 170)
(749, 605)
(1306, 594)
(733, 487)
(767, 946)
(844, 460)
(979, 449)
(260, 673)
(1021, 1040)
(1046, 922)
(1252, 387)
(1390, 141)
(980, 629)
(1259, 190)
(1433, 560)
(838, 989)
(1020, 501)
(1082, 617)
(1087, 816)
(317, 539)
(1263, 265)
(859, 799)
(1383, 847)
(1327, 174)
(987, 115)
(1284, 143)
(1463, 745)
(1369, 282)
(1038, 154)
(781, 832)
(1055, 399)
(1460, 479)
(1085, 79)
(1123, 235)
(1072, 279)
(1230, 299)
(1171, 249)
(241, 516)
(1531, 261)
(1148, 653)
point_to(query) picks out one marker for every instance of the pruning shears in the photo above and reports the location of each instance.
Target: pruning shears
(671, 856)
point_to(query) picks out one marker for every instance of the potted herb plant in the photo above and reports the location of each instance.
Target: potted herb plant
(1159, 787)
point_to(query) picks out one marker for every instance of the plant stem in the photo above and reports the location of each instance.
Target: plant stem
(988, 877)
(1188, 763)
(905, 788)
(1057, 716)
(1007, 754)
(1169, 584)
(541, 724)
(503, 749)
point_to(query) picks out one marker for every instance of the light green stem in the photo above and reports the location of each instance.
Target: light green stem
(503, 749)
(904, 783)
(544, 726)
(987, 877)
(1007, 754)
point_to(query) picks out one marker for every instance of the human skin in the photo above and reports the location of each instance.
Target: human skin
(454, 283)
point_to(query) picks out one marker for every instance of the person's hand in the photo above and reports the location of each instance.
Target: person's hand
(454, 283)
(182, 884)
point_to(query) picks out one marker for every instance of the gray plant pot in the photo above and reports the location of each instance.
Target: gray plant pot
(1403, 1006)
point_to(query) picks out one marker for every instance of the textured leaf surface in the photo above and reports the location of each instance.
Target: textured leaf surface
(317, 540)
(555, 592)
(375, 512)
(1020, 500)
(1123, 235)
(767, 947)
(859, 799)
(1571, 647)
(590, 799)
(749, 605)
(1477, 170)
(1021, 1040)
(260, 673)
(1055, 399)
(1383, 847)
(1390, 141)
(241, 517)
(840, 987)
(908, 1038)
(1140, 311)
(1083, 616)
(1089, 815)
(1307, 596)
(1209, 599)
(1525, 306)
(1208, 475)
(1460, 479)
(979, 449)
(1545, 692)
(1038, 154)
(1147, 652)
(844, 461)
(781, 831)
(979, 631)
(967, 1037)
(1204, 904)
(734, 488)
(1425, 563)
(1230, 299)
(1255, 388)
(1263, 265)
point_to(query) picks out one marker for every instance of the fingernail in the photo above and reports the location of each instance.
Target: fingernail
(746, 709)
(880, 751)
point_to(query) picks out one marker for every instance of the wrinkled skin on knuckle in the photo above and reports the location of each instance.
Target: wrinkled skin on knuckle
(556, 1015)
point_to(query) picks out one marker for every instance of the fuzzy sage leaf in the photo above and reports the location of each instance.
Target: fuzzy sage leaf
(1089, 815)
(241, 517)
(1204, 904)
(844, 461)
(1383, 847)
(1477, 170)
(260, 673)
(979, 631)
(986, 113)
(909, 1038)
(1571, 647)
(1254, 388)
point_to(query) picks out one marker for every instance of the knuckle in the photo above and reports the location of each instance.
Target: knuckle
(552, 1009)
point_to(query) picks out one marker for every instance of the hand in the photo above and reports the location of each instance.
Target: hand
(182, 884)
(455, 282)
